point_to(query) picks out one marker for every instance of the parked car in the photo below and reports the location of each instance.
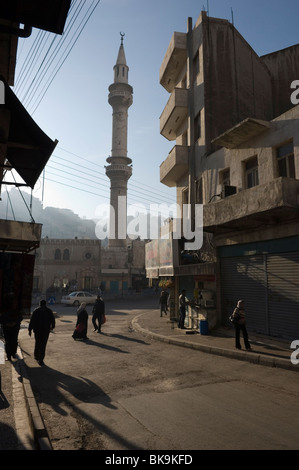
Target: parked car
(75, 298)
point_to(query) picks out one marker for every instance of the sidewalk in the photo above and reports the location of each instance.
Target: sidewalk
(266, 351)
(21, 425)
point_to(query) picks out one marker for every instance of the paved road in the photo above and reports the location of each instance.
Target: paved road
(123, 391)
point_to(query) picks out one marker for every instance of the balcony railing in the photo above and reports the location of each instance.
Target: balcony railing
(174, 113)
(175, 165)
(265, 204)
(174, 61)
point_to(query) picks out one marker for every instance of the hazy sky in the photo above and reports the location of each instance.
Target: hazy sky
(75, 108)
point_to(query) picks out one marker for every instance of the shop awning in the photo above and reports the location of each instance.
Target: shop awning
(28, 147)
(49, 15)
(19, 237)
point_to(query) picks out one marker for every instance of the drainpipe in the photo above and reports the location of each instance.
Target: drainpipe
(191, 192)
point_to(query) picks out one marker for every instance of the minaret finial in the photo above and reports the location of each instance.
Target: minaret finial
(122, 35)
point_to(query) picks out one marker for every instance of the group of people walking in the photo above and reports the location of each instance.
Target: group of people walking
(98, 319)
(42, 322)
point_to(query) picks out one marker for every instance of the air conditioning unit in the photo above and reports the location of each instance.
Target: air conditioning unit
(228, 191)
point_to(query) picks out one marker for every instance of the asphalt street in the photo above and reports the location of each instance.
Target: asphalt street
(143, 380)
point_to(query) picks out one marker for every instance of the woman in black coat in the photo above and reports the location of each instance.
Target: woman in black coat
(81, 325)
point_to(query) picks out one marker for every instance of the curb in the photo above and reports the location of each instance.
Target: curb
(255, 358)
(37, 426)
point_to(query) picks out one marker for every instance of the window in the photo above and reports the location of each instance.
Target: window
(196, 65)
(185, 138)
(57, 254)
(199, 192)
(285, 160)
(66, 255)
(35, 286)
(251, 173)
(88, 283)
(197, 127)
(224, 177)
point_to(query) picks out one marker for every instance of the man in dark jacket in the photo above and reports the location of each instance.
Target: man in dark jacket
(98, 311)
(42, 322)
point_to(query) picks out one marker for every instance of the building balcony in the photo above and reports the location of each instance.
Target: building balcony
(267, 204)
(175, 59)
(175, 165)
(174, 113)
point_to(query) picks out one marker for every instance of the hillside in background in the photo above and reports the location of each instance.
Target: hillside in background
(57, 223)
(60, 223)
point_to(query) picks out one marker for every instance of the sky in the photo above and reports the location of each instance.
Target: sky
(75, 109)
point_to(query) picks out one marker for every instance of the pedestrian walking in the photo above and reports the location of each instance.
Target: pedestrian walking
(238, 316)
(81, 325)
(11, 323)
(183, 302)
(42, 322)
(98, 314)
(163, 302)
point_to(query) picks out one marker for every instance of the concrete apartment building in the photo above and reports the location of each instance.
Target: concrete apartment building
(236, 151)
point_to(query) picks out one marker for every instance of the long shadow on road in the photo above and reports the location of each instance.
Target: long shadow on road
(54, 387)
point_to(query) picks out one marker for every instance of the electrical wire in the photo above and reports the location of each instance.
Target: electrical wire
(55, 53)
(53, 60)
(133, 182)
(67, 55)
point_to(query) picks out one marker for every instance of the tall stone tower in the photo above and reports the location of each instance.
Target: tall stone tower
(119, 169)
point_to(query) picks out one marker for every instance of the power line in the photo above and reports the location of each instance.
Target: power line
(81, 180)
(55, 52)
(103, 177)
(89, 13)
(53, 60)
(133, 182)
(152, 212)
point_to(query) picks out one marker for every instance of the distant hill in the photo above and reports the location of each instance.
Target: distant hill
(57, 223)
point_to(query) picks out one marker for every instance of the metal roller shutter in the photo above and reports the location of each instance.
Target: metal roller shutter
(283, 295)
(245, 278)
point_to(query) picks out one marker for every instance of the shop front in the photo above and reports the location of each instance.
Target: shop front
(164, 269)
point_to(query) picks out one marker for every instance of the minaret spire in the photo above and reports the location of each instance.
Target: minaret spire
(119, 171)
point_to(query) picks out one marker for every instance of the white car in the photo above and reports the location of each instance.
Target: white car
(76, 298)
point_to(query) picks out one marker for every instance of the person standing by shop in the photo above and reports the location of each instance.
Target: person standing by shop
(240, 325)
(42, 322)
(163, 302)
(183, 302)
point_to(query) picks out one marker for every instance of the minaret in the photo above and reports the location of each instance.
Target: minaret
(119, 169)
